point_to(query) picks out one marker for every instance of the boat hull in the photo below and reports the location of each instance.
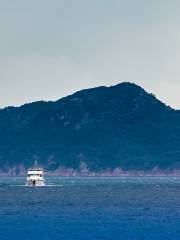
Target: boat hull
(35, 183)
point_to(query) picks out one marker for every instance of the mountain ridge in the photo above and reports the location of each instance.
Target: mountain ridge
(87, 89)
(104, 127)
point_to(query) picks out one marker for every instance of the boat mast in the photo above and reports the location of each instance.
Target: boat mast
(35, 164)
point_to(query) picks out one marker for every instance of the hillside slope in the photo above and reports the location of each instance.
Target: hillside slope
(105, 127)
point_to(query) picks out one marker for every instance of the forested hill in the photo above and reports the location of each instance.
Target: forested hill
(104, 127)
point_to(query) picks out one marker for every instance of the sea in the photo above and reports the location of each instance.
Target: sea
(91, 208)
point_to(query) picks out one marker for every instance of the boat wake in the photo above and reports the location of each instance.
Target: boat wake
(47, 185)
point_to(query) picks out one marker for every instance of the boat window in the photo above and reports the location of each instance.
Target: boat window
(34, 174)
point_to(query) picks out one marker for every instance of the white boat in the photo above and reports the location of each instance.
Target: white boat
(35, 176)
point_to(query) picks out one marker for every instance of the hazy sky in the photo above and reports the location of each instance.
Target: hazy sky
(51, 48)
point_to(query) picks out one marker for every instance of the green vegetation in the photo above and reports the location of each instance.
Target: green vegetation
(105, 127)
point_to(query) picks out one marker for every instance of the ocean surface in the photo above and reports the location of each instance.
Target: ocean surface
(90, 208)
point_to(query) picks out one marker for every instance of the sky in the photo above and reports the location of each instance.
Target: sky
(52, 48)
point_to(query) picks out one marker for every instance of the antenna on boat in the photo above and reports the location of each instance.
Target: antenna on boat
(35, 164)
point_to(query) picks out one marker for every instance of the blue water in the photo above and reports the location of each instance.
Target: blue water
(91, 208)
